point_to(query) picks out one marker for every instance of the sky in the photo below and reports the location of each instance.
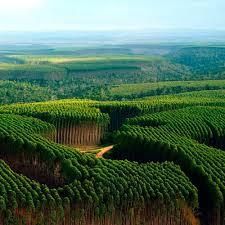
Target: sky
(56, 15)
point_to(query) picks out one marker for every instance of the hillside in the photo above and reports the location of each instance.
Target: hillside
(62, 72)
(112, 139)
(175, 172)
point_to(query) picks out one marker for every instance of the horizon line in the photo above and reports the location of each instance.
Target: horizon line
(112, 30)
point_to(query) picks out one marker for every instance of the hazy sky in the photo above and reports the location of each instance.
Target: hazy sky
(111, 14)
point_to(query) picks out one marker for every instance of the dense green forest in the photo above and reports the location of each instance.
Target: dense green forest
(112, 135)
(150, 176)
(206, 62)
(62, 73)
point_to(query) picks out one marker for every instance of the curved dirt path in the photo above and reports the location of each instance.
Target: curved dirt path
(103, 151)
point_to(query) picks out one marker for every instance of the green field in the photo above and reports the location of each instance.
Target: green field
(39, 59)
(88, 72)
(132, 91)
(66, 67)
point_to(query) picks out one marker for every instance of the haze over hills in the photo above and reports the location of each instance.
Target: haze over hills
(113, 37)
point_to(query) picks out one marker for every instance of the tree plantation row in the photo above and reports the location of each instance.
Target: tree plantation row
(92, 190)
(192, 138)
(166, 166)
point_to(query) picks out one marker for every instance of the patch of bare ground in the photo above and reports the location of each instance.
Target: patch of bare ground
(103, 151)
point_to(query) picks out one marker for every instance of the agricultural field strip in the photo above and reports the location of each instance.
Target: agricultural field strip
(141, 88)
(84, 59)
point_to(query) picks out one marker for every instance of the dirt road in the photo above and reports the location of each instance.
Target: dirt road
(103, 151)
